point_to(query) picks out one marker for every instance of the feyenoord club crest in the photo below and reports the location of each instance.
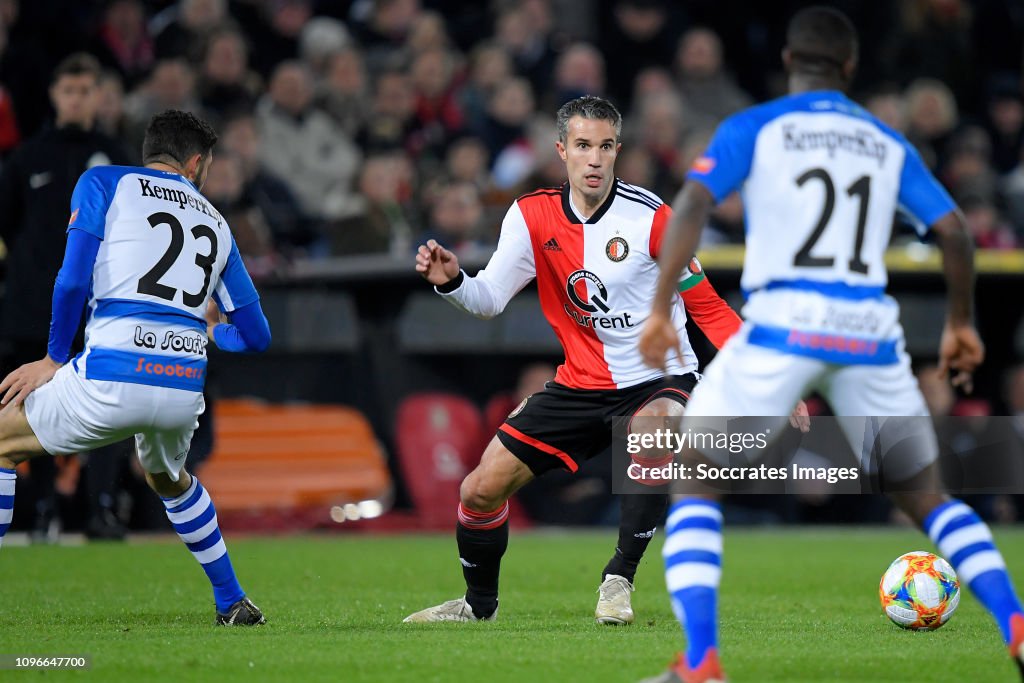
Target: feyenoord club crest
(519, 408)
(616, 249)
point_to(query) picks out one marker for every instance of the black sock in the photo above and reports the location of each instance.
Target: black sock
(480, 552)
(641, 513)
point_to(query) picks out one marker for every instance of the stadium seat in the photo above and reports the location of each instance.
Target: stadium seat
(496, 410)
(438, 440)
(292, 462)
(971, 407)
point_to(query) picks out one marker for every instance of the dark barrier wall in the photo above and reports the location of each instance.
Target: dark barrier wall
(368, 331)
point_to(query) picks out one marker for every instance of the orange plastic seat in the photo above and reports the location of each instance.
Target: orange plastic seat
(271, 458)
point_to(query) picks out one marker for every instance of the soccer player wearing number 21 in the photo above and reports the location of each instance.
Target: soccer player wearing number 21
(821, 180)
(147, 253)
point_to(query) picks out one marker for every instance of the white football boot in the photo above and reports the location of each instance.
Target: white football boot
(453, 610)
(613, 602)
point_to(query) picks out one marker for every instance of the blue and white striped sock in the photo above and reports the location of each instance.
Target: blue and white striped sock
(693, 568)
(7, 480)
(967, 543)
(194, 518)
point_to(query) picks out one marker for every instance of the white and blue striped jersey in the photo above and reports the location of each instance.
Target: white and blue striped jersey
(165, 251)
(821, 180)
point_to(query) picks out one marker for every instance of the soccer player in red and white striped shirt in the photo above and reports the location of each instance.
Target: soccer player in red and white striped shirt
(592, 245)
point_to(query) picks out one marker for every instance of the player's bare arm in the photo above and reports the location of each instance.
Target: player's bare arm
(961, 350)
(436, 264)
(689, 213)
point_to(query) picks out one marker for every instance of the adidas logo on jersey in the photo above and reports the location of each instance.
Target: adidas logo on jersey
(552, 245)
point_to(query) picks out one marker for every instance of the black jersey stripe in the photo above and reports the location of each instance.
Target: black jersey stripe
(651, 198)
(638, 200)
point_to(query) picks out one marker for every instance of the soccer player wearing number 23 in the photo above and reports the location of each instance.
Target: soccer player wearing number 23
(147, 252)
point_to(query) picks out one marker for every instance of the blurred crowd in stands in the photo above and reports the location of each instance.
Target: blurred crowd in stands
(363, 126)
(355, 127)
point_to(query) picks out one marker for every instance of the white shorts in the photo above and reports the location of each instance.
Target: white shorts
(71, 414)
(749, 380)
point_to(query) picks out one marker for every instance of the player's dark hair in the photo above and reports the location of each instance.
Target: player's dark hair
(587, 107)
(77, 64)
(820, 41)
(175, 136)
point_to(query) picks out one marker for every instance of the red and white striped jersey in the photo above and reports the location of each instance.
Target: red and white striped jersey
(596, 280)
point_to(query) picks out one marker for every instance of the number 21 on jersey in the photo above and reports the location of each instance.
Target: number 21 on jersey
(858, 191)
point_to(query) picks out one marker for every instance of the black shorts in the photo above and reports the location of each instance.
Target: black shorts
(561, 427)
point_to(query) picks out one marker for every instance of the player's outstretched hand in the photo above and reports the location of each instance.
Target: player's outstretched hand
(436, 264)
(961, 351)
(658, 337)
(800, 418)
(26, 379)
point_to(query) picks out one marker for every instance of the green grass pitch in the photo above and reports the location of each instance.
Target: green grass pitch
(796, 605)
